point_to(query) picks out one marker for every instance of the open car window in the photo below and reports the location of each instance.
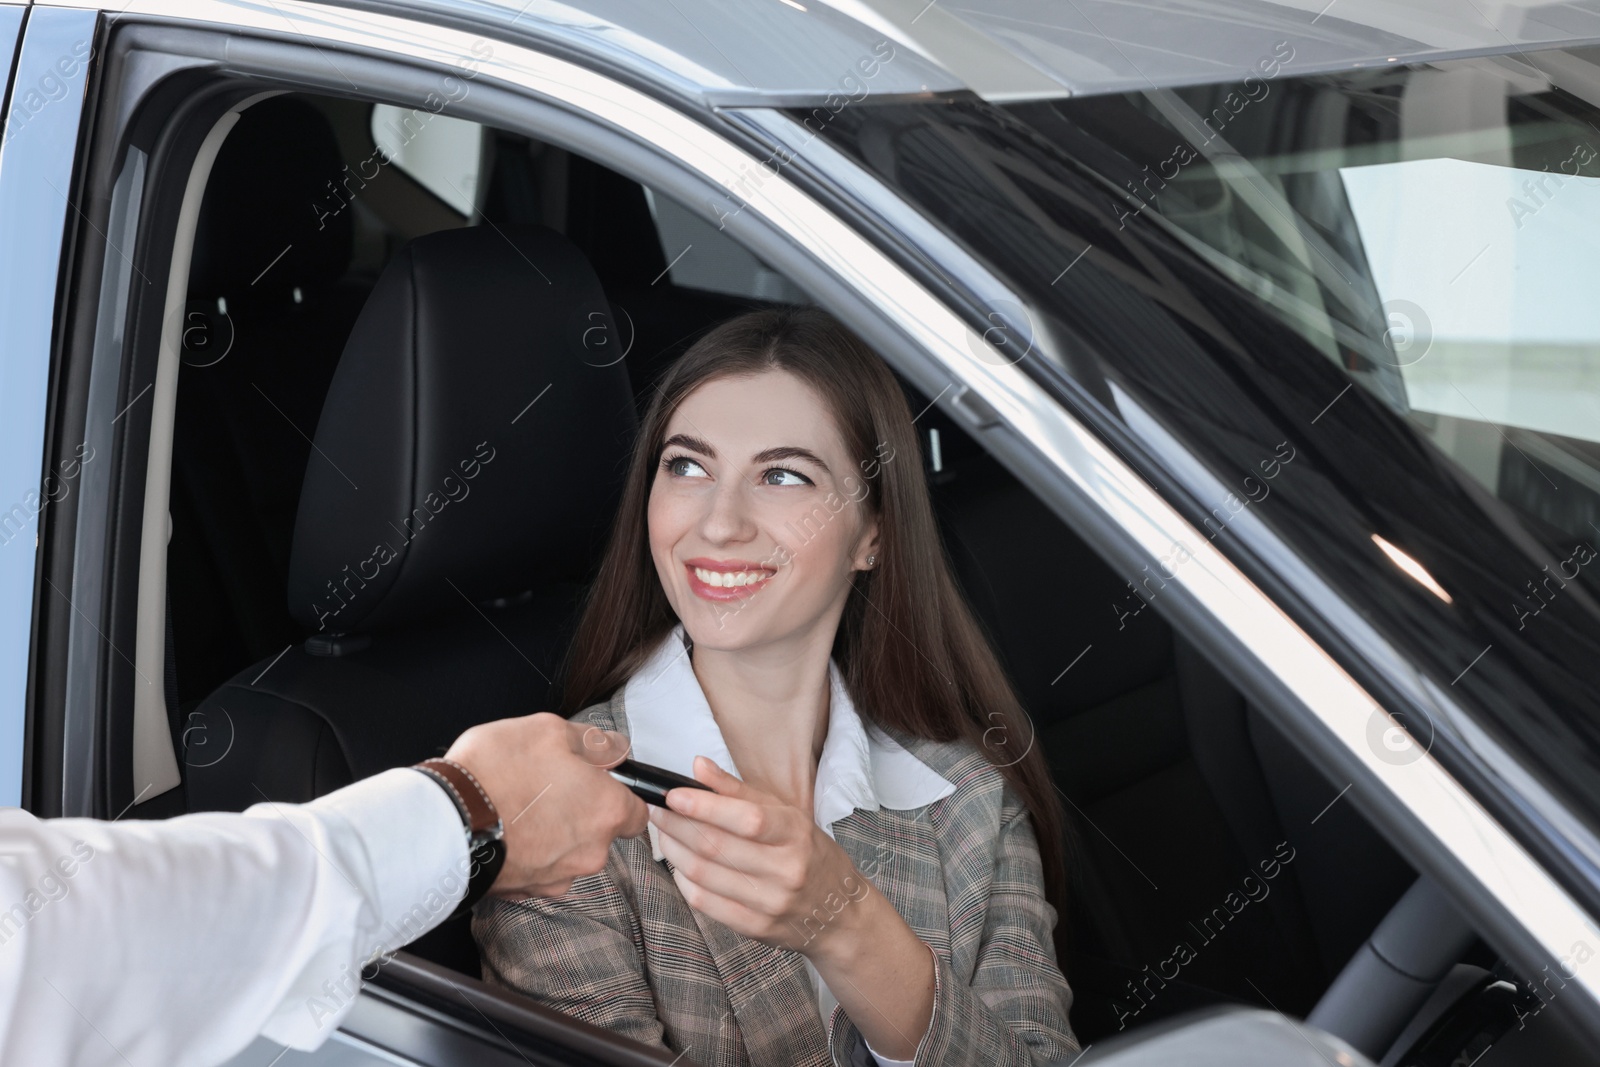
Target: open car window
(1112, 692)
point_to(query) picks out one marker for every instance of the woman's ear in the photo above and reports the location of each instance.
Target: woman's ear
(867, 555)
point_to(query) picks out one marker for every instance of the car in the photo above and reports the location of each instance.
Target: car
(1256, 364)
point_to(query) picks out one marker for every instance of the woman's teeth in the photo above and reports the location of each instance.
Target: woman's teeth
(730, 579)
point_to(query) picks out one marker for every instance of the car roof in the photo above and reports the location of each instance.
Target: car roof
(797, 52)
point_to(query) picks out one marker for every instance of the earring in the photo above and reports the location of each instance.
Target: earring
(871, 560)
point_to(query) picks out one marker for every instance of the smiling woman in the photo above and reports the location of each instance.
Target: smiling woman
(691, 509)
(722, 580)
(873, 875)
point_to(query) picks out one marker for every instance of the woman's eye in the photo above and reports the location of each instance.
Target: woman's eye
(779, 476)
(684, 467)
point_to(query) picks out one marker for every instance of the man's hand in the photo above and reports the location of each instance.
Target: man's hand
(561, 810)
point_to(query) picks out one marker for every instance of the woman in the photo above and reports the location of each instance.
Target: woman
(775, 614)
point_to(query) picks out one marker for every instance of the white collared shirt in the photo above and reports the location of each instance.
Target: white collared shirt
(176, 941)
(670, 723)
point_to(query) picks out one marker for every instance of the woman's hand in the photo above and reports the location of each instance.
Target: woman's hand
(756, 864)
(767, 871)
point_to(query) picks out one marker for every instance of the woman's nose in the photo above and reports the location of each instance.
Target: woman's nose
(727, 517)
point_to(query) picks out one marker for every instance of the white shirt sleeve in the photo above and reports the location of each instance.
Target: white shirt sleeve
(178, 941)
(827, 1002)
(884, 1062)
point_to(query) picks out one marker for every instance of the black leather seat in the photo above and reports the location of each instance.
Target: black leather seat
(271, 301)
(466, 467)
(1176, 788)
(608, 216)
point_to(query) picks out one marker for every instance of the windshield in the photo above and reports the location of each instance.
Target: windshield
(1435, 231)
(1389, 277)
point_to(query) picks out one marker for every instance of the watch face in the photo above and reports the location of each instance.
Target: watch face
(487, 859)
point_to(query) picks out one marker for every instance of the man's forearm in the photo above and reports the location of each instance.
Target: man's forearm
(177, 942)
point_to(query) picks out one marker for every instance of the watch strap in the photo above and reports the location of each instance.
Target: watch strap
(477, 810)
(485, 845)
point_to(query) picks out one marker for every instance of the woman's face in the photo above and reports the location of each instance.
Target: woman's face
(756, 515)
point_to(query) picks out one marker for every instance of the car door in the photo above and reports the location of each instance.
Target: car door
(20, 476)
(52, 50)
(155, 62)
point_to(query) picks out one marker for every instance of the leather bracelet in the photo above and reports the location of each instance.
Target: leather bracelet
(485, 832)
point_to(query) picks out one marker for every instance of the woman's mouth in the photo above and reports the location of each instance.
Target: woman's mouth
(724, 582)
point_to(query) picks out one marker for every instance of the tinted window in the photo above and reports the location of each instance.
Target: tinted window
(1432, 230)
(702, 256)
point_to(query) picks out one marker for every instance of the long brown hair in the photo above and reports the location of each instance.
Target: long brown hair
(912, 654)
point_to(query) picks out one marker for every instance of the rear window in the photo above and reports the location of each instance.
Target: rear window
(701, 256)
(442, 154)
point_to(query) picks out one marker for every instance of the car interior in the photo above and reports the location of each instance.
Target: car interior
(417, 327)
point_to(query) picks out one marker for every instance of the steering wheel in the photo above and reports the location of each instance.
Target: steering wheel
(1387, 981)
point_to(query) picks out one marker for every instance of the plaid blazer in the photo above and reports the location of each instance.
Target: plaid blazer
(624, 951)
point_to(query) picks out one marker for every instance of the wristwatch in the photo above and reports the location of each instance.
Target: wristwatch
(485, 832)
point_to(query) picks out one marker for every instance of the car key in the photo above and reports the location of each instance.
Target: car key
(650, 784)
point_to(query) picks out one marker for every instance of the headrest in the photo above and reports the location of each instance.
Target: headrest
(473, 442)
(275, 213)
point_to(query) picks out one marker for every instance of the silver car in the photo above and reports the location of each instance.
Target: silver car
(1257, 354)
